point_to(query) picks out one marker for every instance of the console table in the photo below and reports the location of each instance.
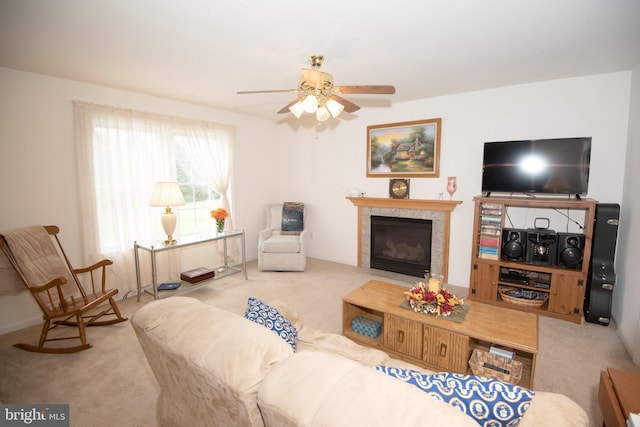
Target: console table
(222, 271)
(437, 343)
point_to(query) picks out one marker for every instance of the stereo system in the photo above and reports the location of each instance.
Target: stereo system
(514, 243)
(539, 246)
(570, 250)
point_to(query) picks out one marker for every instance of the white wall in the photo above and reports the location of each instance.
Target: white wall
(37, 176)
(297, 161)
(329, 163)
(626, 295)
(596, 106)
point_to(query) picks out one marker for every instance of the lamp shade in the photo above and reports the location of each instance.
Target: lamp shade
(297, 109)
(334, 107)
(166, 194)
(322, 114)
(310, 104)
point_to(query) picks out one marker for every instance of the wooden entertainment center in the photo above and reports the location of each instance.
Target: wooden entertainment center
(548, 287)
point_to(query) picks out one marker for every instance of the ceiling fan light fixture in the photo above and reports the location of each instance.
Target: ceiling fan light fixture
(323, 113)
(297, 109)
(315, 89)
(334, 107)
(310, 104)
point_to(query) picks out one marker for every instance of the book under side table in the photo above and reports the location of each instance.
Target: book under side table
(436, 343)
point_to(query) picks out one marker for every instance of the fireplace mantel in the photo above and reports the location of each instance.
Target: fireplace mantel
(429, 205)
(443, 206)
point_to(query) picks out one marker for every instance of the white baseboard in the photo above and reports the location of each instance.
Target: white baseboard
(5, 329)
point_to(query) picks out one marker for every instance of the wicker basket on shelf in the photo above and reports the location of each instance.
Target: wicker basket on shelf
(485, 364)
(532, 299)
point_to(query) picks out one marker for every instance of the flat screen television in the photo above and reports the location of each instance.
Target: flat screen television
(548, 166)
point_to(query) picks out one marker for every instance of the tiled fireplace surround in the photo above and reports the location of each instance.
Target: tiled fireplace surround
(438, 211)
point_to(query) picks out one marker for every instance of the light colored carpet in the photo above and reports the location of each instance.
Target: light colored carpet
(112, 384)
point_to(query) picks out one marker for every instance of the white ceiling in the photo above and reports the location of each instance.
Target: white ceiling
(204, 51)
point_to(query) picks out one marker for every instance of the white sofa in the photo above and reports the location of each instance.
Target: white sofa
(217, 368)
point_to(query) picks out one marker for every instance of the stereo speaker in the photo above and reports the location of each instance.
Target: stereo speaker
(514, 243)
(601, 279)
(542, 246)
(570, 250)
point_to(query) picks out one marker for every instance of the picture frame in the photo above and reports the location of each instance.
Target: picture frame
(404, 149)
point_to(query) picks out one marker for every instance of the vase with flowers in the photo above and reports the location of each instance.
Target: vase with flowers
(219, 215)
(422, 298)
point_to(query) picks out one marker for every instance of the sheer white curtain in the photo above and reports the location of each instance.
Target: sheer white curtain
(212, 161)
(120, 154)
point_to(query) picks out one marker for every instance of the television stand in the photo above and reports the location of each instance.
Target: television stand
(557, 289)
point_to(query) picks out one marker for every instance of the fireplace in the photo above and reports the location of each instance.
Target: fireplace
(438, 211)
(400, 245)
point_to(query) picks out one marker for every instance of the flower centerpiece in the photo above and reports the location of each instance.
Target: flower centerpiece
(424, 299)
(219, 215)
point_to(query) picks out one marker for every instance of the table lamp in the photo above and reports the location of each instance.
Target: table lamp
(167, 194)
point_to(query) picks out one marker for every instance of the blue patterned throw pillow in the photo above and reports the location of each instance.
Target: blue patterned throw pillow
(490, 402)
(271, 318)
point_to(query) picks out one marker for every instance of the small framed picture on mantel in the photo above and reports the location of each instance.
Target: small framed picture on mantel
(405, 149)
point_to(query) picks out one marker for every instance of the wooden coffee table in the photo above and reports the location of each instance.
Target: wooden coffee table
(437, 343)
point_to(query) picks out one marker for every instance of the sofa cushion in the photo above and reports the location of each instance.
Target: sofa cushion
(316, 388)
(489, 401)
(281, 243)
(211, 358)
(269, 317)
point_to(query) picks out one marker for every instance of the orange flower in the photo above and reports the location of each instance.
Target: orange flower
(219, 214)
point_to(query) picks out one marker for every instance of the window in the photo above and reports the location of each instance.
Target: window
(121, 154)
(199, 197)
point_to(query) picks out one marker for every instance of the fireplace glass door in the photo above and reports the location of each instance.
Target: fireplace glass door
(401, 245)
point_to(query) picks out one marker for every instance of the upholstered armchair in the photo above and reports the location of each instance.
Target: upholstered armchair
(283, 250)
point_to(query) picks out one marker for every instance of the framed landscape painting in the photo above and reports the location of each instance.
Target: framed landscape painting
(406, 149)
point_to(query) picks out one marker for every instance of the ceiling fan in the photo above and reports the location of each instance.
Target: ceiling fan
(317, 94)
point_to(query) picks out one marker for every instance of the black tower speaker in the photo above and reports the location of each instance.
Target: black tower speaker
(514, 243)
(601, 278)
(570, 250)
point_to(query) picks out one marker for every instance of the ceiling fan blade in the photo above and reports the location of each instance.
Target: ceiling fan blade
(244, 92)
(366, 89)
(349, 106)
(285, 109)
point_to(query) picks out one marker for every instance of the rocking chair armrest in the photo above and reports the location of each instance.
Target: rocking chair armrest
(95, 266)
(60, 281)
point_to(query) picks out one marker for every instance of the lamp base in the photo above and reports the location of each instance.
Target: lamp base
(169, 220)
(170, 241)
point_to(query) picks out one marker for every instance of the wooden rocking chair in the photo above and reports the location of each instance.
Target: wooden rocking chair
(47, 273)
